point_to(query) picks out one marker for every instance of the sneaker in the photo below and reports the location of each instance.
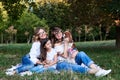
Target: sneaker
(102, 72)
(56, 72)
(28, 73)
(10, 73)
(13, 68)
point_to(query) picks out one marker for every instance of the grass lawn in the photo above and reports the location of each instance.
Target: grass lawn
(103, 53)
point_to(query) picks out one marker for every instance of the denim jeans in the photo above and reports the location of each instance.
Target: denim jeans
(40, 69)
(80, 58)
(25, 65)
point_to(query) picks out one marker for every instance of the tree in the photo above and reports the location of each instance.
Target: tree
(54, 13)
(14, 9)
(117, 24)
(3, 21)
(89, 13)
(26, 24)
(11, 32)
(113, 9)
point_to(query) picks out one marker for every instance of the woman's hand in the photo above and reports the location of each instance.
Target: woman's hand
(46, 66)
(39, 62)
(48, 61)
(66, 40)
(74, 53)
(44, 62)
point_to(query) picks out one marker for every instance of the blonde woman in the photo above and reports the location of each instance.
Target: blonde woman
(32, 58)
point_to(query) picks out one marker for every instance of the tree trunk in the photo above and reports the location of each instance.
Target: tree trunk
(15, 38)
(100, 32)
(93, 37)
(28, 39)
(1, 37)
(79, 37)
(118, 36)
(106, 35)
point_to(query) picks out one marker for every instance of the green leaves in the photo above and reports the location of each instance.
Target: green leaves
(54, 13)
(14, 8)
(113, 8)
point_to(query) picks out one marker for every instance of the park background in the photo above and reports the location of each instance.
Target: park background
(94, 24)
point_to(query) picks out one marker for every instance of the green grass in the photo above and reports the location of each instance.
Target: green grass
(104, 53)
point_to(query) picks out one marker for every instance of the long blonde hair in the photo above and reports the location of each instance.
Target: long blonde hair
(36, 35)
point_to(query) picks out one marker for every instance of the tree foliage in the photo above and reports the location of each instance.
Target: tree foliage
(113, 8)
(54, 13)
(14, 8)
(27, 23)
(87, 20)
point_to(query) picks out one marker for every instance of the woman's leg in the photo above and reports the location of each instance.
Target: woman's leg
(51, 68)
(73, 67)
(38, 69)
(26, 64)
(82, 57)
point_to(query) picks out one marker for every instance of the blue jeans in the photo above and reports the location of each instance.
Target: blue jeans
(40, 69)
(25, 65)
(80, 58)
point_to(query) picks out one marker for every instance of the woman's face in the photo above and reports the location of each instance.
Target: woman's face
(48, 45)
(42, 34)
(58, 35)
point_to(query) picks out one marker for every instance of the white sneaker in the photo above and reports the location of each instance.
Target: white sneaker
(13, 68)
(56, 72)
(102, 72)
(26, 73)
(10, 73)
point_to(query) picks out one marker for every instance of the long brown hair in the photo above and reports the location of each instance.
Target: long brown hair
(53, 38)
(43, 49)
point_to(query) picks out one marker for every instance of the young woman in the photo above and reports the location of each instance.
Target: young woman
(61, 46)
(32, 58)
(48, 56)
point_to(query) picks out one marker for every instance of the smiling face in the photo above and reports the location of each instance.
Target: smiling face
(48, 45)
(42, 34)
(58, 34)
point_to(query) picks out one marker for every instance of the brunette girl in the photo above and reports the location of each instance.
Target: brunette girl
(61, 46)
(48, 56)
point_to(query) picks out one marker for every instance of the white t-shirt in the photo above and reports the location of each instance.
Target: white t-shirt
(35, 52)
(60, 49)
(50, 55)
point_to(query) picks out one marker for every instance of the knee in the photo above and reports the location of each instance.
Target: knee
(82, 53)
(24, 57)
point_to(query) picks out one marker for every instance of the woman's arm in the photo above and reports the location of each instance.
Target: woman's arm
(65, 53)
(65, 48)
(39, 62)
(50, 63)
(34, 52)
